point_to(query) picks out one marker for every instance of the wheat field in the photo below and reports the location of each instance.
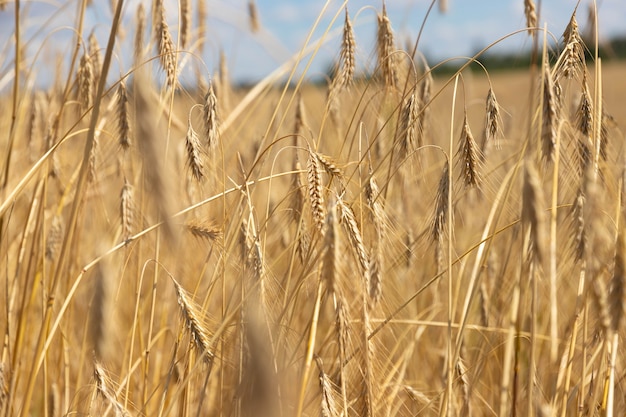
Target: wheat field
(391, 243)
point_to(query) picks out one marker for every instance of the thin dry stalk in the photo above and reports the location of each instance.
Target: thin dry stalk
(386, 50)
(211, 120)
(549, 117)
(123, 118)
(346, 74)
(316, 190)
(197, 333)
(468, 156)
(195, 161)
(531, 15)
(493, 121)
(438, 224)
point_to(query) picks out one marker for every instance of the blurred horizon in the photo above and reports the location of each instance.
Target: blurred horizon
(465, 28)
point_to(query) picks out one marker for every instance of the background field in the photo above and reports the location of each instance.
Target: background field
(396, 245)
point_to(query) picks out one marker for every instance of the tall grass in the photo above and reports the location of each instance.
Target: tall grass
(390, 245)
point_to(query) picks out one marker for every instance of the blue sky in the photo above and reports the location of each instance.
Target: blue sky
(467, 26)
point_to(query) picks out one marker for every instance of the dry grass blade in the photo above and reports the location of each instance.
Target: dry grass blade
(202, 17)
(198, 334)
(468, 156)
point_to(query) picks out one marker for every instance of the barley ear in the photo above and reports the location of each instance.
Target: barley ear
(467, 155)
(493, 121)
(617, 286)
(533, 211)
(123, 118)
(386, 49)
(316, 190)
(194, 152)
(346, 74)
(253, 16)
(211, 119)
(531, 15)
(549, 117)
(197, 333)
(441, 206)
